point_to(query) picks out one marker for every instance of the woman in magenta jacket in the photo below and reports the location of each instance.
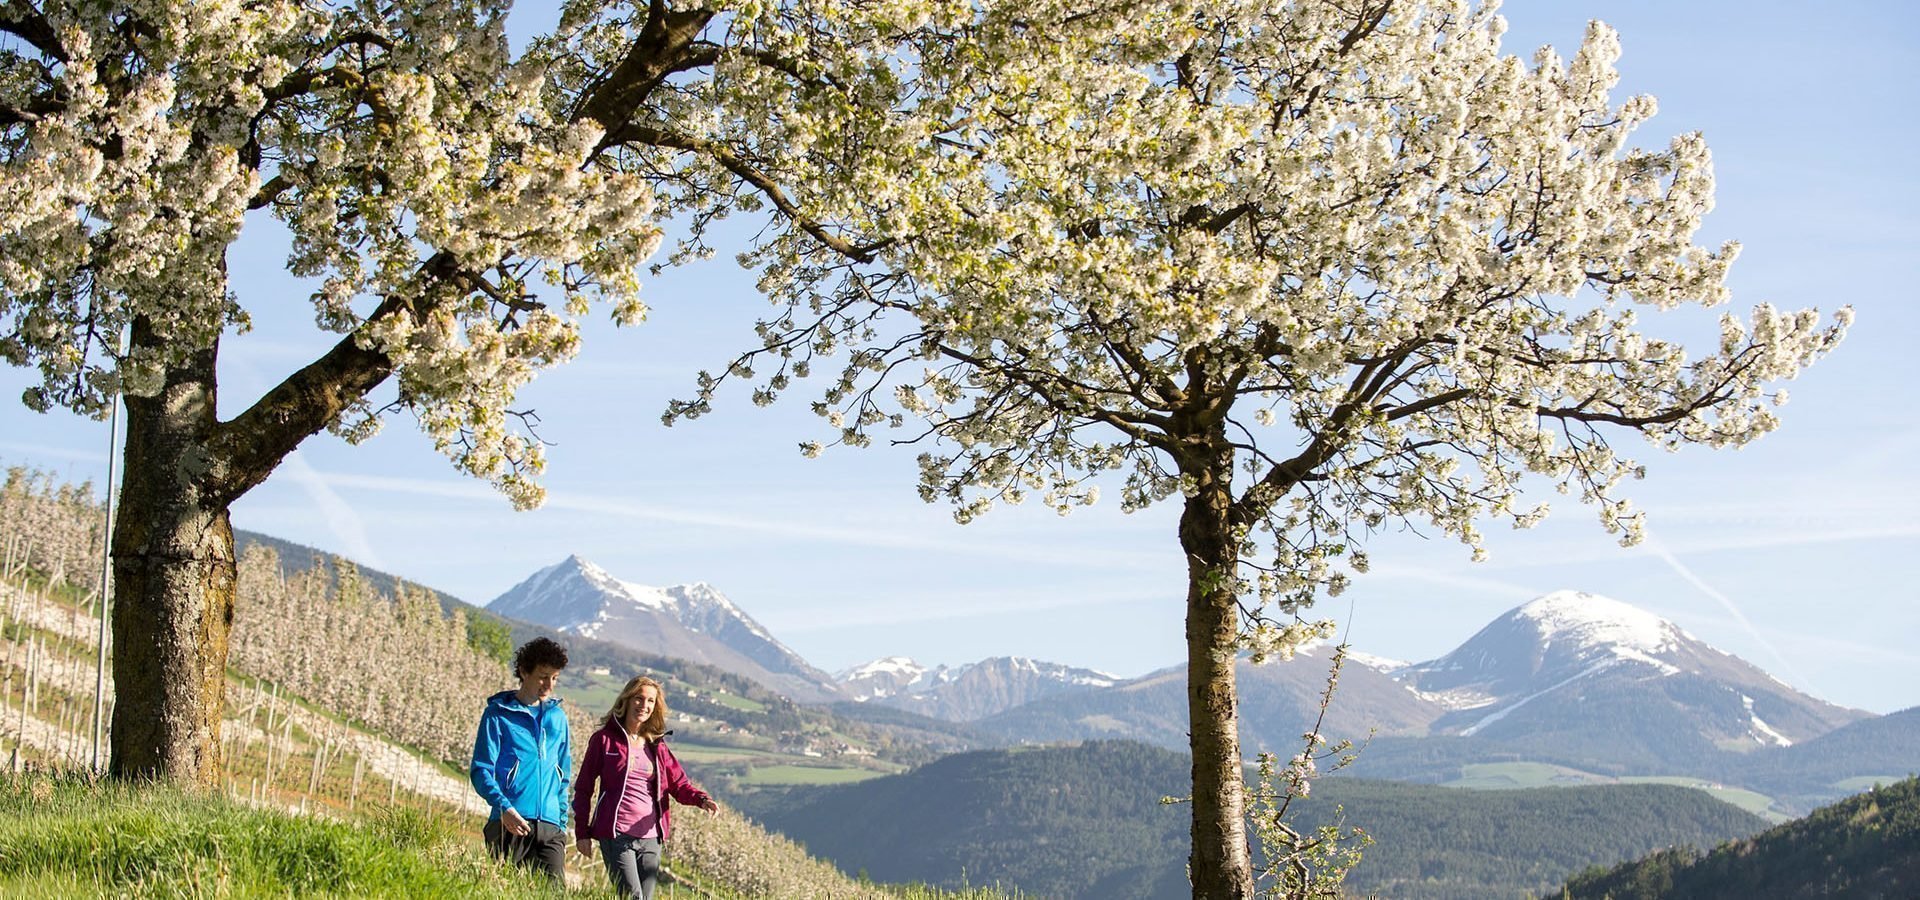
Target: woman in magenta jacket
(638, 779)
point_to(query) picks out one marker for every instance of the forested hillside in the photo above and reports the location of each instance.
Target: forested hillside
(1086, 822)
(1866, 846)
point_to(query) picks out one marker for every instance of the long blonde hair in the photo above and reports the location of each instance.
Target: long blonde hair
(656, 724)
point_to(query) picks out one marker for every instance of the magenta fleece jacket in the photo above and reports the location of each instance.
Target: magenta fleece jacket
(605, 763)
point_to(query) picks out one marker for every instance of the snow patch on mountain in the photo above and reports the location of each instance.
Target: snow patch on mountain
(1378, 663)
(1503, 712)
(1764, 732)
(1455, 698)
(887, 665)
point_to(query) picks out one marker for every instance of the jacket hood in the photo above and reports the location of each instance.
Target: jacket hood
(509, 700)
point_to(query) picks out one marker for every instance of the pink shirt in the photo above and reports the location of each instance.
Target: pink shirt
(634, 813)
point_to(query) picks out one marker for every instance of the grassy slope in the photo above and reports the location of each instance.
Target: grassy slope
(67, 837)
(64, 837)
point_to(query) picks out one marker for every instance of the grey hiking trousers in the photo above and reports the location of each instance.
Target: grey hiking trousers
(633, 864)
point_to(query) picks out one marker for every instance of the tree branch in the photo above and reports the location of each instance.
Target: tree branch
(663, 45)
(270, 192)
(32, 27)
(862, 253)
(255, 441)
(1145, 427)
(33, 112)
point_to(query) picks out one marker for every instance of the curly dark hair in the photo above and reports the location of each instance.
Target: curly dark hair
(539, 652)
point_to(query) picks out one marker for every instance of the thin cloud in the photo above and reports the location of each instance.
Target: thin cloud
(1565, 552)
(1828, 646)
(799, 530)
(44, 451)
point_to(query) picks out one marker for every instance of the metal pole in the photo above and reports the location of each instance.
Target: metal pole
(106, 591)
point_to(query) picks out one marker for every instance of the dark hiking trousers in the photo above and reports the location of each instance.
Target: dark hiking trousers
(545, 850)
(633, 864)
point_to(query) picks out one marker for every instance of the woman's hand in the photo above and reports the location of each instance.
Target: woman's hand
(585, 846)
(709, 805)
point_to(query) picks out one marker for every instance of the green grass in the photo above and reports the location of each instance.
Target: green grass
(70, 837)
(64, 837)
(735, 701)
(784, 775)
(688, 751)
(593, 693)
(1497, 776)
(1867, 782)
(1757, 803)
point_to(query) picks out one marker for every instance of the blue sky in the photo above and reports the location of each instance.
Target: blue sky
(1800, 553)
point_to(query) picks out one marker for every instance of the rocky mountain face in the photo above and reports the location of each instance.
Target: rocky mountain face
(689, 621)
(968, 692)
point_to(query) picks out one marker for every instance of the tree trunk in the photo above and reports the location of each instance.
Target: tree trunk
(1220, 864)
(173, 590)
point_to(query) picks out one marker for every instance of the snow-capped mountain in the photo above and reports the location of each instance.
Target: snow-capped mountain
(887, 677)
(964, 693)
(1572, 663)
(687, 621)
(1278, 702)
(1569, 677)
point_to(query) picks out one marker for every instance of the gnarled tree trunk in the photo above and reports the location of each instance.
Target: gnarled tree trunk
(173, 574)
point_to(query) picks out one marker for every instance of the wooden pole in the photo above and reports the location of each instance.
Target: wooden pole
(313, 778)
(106, 592)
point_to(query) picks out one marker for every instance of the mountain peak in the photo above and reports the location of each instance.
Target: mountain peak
(1593, 620)
(577, 563)
(883, 665)
(689, 621)
(702, 592)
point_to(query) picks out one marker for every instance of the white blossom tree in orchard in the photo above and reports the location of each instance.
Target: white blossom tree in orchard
(432, 181)
(1308, 268)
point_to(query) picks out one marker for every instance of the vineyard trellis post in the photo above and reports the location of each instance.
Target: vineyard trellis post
(106, 594)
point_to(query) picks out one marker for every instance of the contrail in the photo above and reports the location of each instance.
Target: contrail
(341, 518)
(1656, 548)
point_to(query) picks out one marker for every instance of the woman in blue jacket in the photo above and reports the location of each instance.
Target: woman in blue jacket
(522, 763)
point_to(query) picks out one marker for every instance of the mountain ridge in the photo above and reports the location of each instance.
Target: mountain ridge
(966, 692)
(691, 621)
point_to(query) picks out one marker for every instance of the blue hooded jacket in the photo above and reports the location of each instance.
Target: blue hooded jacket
(522, 759)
